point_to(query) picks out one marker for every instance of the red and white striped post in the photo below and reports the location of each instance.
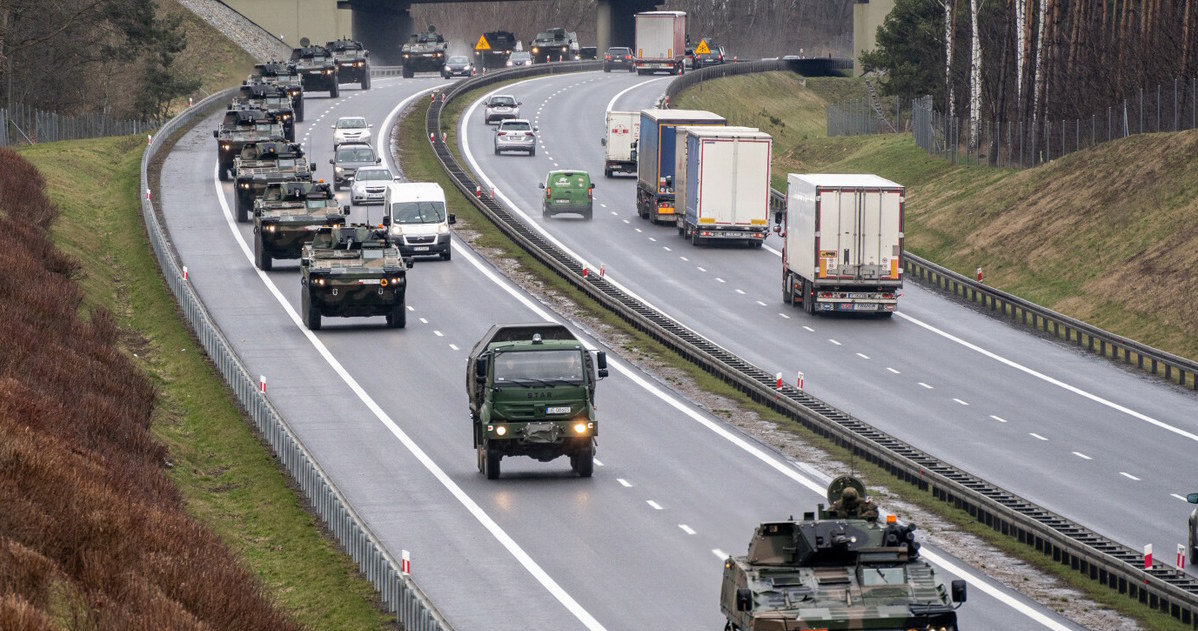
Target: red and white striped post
(585, 270)
(149, 140)
(1148, 556)
(147, 194)
(602, 270)
(799, 380)
(184, 272)
(1181, 556)
(405, 563)
(979, 274)
(432, 137)
(492, 192)
(190, 102)
(478, 191)
(262, 384)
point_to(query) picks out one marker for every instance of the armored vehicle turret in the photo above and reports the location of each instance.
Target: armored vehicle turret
(261, 163)
(272, 99)
(287, 216)
(285, 75)
(424, 52)
(555, 44)
(316, 67)
(353, 61)
(531, 389)
(242, 125)
(353, 271)
(836, 569)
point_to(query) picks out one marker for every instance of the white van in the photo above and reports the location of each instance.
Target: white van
(419, 219)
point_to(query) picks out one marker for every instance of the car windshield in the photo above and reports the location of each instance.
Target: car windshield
(459, 60)
(355, 154)
(418, 212)
(542, 365)
(502, 100)
(515, 126)
(351, 123)
(373, 174)
(619, 51)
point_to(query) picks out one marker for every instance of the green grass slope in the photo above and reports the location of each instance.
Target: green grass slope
(1101, 235)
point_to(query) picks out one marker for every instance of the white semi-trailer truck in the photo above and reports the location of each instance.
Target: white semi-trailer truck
(619, 142)
(843, 243)
(722, 182)
(660, 42)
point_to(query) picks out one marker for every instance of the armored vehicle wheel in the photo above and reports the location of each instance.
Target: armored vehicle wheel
(491, 464)
(398, 318)
(366, 80)
(243, 214)
(261, 258)
(335, 91)
(309, 312)
(481, 457)
(223, 171)
(584, 463)
(299, 110)
(408, 73)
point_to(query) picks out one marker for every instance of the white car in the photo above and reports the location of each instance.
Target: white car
(370, 185)
(501, 107)
(351, 129)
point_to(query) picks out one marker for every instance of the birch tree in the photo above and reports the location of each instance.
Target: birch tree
(949, 11)
(1038, 80)
(975, 73)
(1020, 49)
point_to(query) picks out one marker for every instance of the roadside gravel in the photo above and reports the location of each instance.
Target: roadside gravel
(253, 38)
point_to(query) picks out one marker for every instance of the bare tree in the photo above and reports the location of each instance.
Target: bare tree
(975, 73)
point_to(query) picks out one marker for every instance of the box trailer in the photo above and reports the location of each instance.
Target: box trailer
(722, 180)
(660, 42)
(655, 158)
(619, 142)
(843, 245)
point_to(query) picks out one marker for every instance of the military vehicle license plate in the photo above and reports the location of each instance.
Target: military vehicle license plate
(557, 409)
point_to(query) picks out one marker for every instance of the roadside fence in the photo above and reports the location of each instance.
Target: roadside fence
(27, 126)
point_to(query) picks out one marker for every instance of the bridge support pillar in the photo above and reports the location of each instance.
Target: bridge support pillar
(382, 26)
(603, 38)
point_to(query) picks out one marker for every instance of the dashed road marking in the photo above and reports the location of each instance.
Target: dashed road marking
(438, 333)
(784, 316)
(1082, 456)
(960, 401)
(700, 269)
(740, 291)
(893, 370)
(423, 320)
(925, 385)
(808, 328)
(762, 303)
(624, 483)
(687, 529)
(454, 347)
(862, 355)
(834, 342)
(720, 280)
(1129, 476)
(1037, 436)
(999, 419)
(655, 505)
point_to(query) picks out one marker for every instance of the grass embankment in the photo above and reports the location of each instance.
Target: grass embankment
(228, 480)
(214, 58)
(813, 153)
(1102, 235)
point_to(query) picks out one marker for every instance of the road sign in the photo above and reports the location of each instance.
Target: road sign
(482, 43)
(703, 49)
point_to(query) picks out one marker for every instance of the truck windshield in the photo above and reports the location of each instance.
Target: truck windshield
(543, 366)
(417, 212)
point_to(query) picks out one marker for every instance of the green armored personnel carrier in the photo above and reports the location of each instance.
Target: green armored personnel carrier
(285, 75)
(353, 61)
(424, 52)
(836, 569)
(261, 163)
(316, 67)
(287, 216)
(532, 393)
(270, 98)
(353, 271)
(242, 125)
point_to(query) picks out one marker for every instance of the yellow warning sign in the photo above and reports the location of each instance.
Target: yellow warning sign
(703, 49)
(482, 43)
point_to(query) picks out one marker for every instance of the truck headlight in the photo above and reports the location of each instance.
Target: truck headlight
(443, 229)
(582, 428)
(500, 430)
(270, 227)
(338, 169)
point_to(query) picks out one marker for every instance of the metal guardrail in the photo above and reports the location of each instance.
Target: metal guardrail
(386, 71)
(398, 590)
(1112, 564)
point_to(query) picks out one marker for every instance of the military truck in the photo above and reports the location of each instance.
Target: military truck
(239, 126)
(424, 52)
(271, 98)
(286, 217)
(316, 67)
(531, 389)
(500, 45)
(261, 163)
(285, 75)
(353, 61)
(555, 44)
(353, 271)
(837, 568)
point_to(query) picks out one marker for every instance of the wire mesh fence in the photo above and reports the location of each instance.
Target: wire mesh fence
(859, 117)
(23, 125)
(1024, 143)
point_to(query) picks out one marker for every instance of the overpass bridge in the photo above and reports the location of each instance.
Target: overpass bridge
(384, 25)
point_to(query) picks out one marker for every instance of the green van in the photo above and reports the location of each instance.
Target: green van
(567, 192)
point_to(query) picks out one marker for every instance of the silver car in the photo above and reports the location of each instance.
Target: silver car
(516, 135)
(349, 158)
(370, 185)
(351, 129)
(500, 107)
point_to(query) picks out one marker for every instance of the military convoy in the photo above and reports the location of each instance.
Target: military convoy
(353, 61)
(353, 271)
(287, 216)
(424, 52)
(261, 163)
(837, 568)
(555, 44)
(499, 47)
(317, 68)
(239, 126)
(285, 75)
(271, 98)
(531, 389)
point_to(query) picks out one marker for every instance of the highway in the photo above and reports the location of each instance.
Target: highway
(1101, 445)
(639, 545)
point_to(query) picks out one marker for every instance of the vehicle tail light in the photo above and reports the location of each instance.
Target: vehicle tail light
(548, 192)
(503, 133)
(607, 56)
(590, 194)
(627, 56)
(528, 133)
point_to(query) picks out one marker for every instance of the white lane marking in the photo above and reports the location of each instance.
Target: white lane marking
(612, 102)
(687, 529)
(429, 464)
(1129, 476)
(624, 483)
(784, 316)
(639, 230)
(807, 328)
(762, 303)
(423, 320)
(653, 239)
(960, 401)
(925, 385)
(740, 291)
(720, 280)
(1180, 497)
(862, 355)
(684, 259)
(893, 370)
(998, 418)
(603, 205)
(411, 308)
(666, 248)
(454, 347)
(597, 463)
(1082, 456)
(655, 505)
(1036, 436)
(700, 269)
(438, 333)
(834, 342)
(720, 554)
(777, 253)
(1056, 382)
